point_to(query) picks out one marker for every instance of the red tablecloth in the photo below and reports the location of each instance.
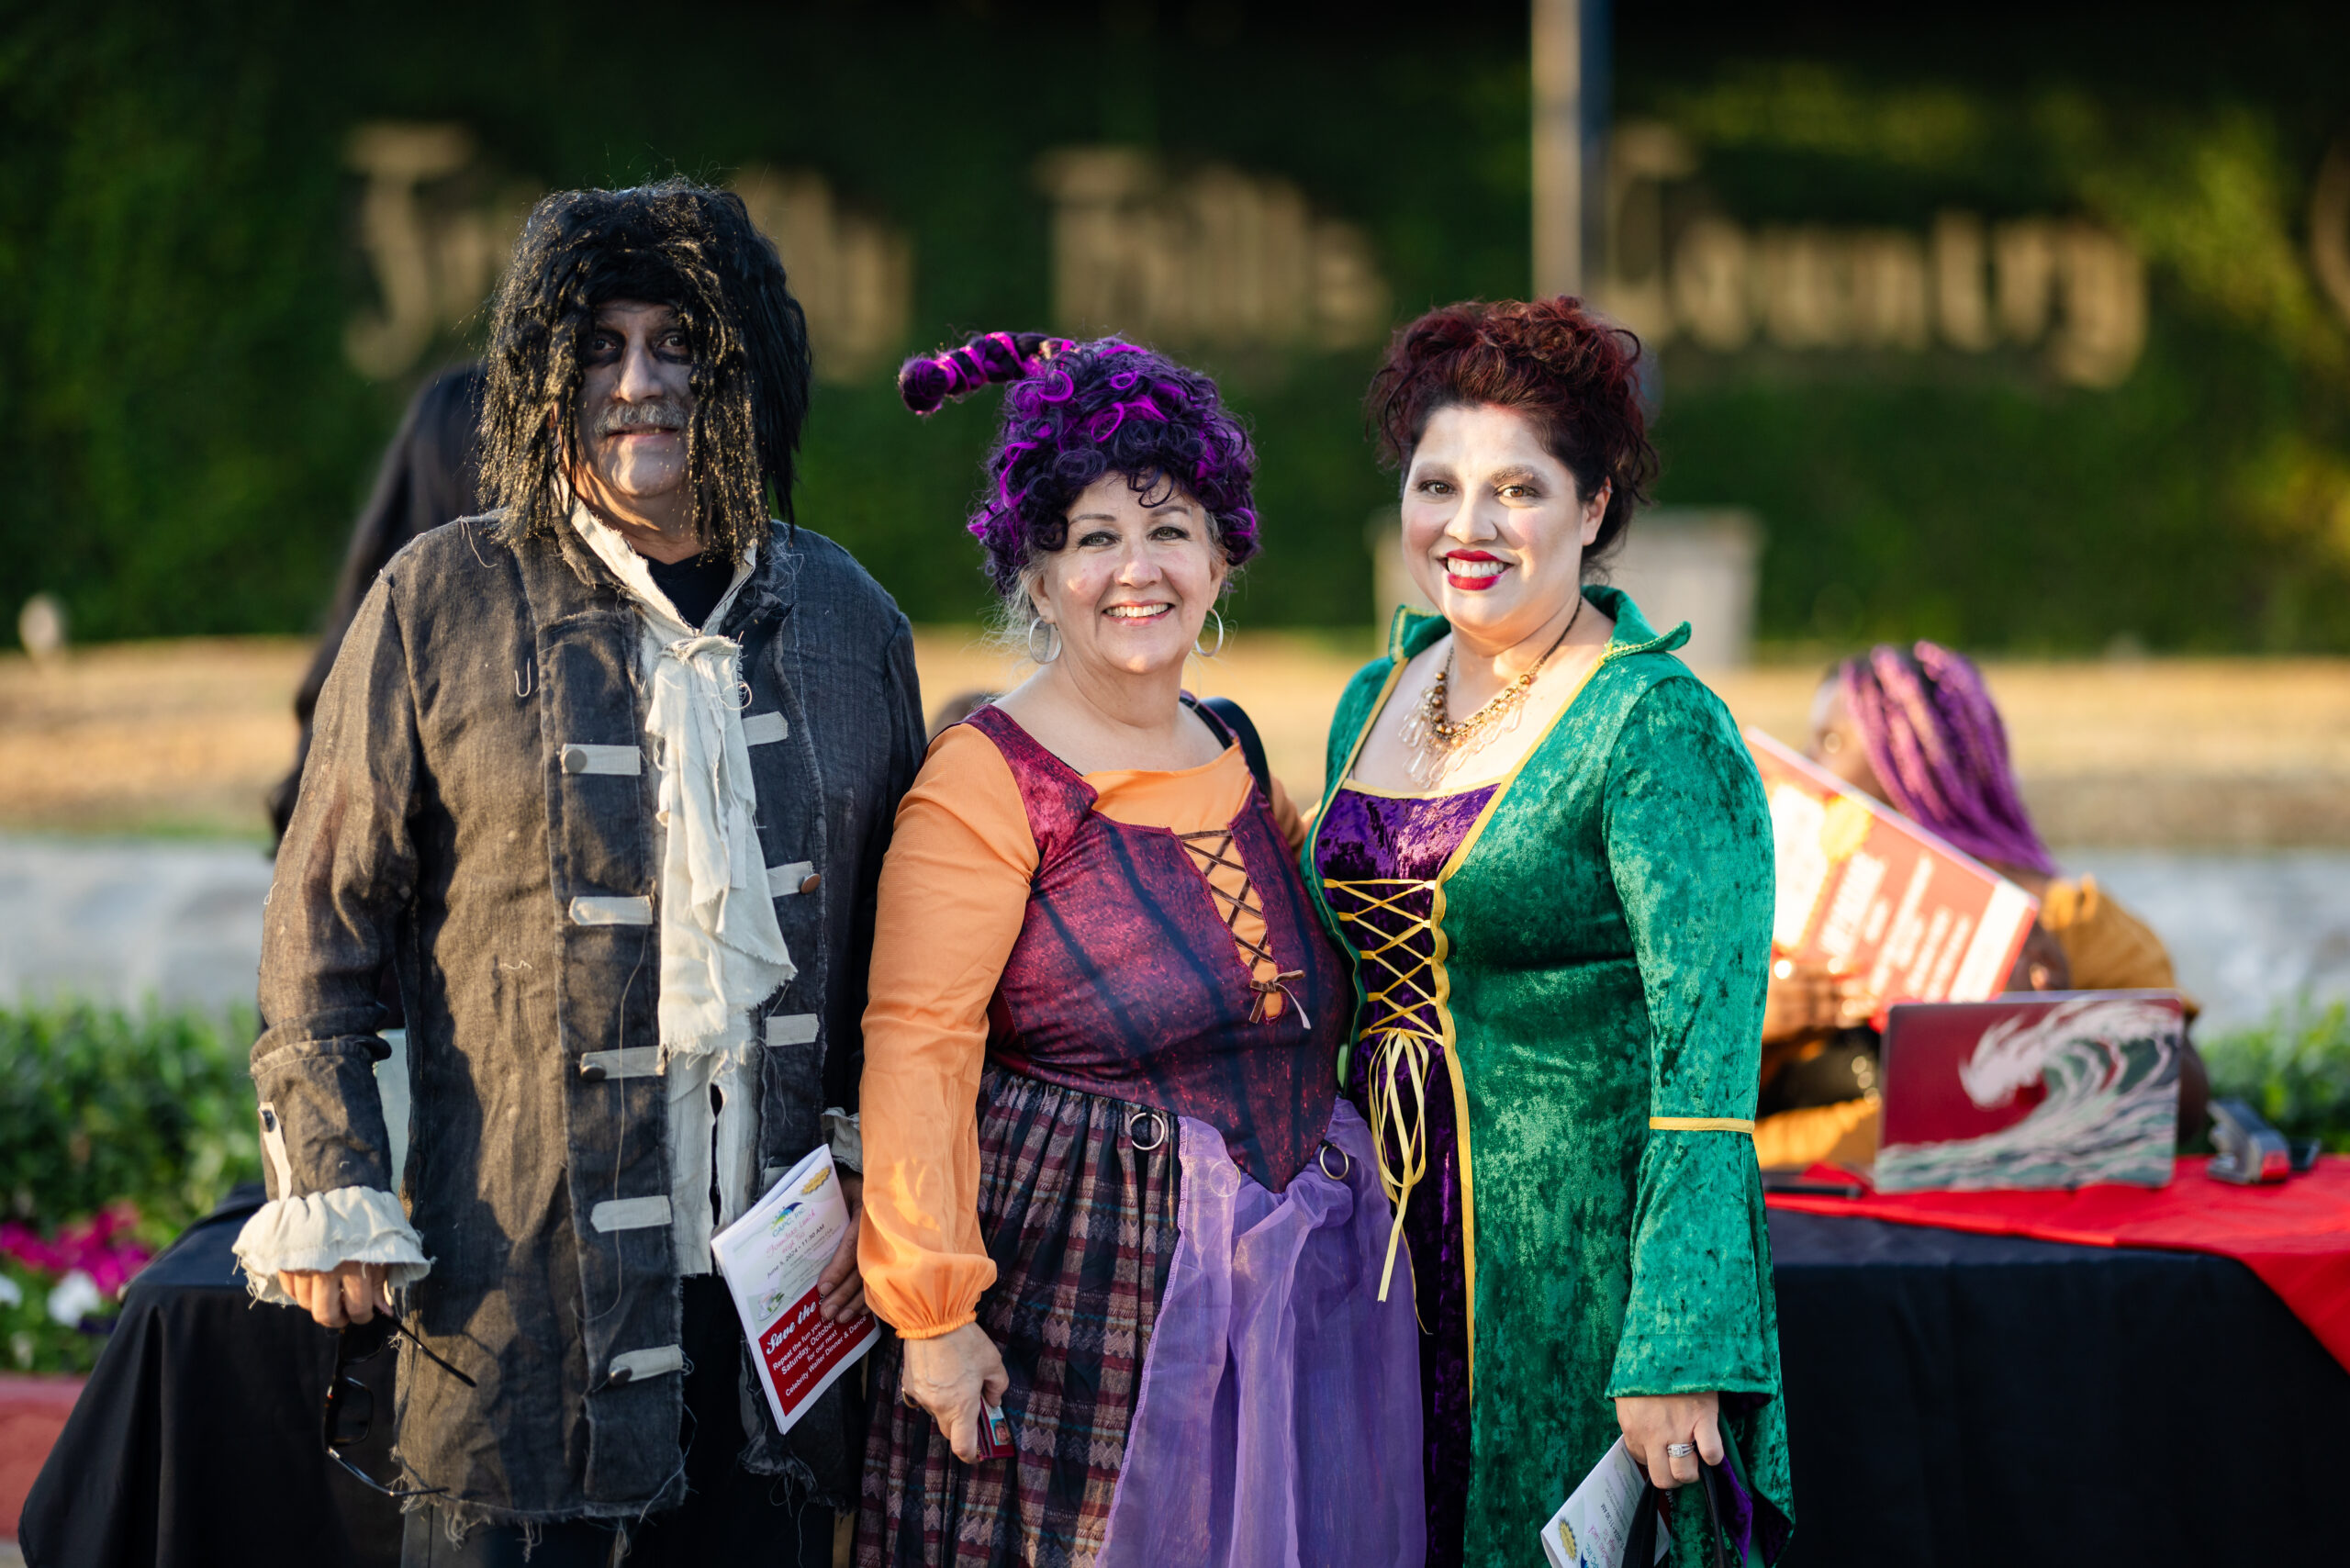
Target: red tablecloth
(2296, 1237)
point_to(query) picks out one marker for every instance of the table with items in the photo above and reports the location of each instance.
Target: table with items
(2111, 1375)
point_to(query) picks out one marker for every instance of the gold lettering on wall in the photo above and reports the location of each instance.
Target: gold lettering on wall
(435, 240)
(853, 275)
(1217, 257)
(438, 233)
(2330, 227)
(2073, 289)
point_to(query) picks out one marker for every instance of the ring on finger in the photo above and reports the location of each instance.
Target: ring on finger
(1680, 1451)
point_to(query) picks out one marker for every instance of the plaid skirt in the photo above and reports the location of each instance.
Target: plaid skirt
(1082, 1226)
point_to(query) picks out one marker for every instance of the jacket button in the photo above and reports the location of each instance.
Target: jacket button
(812, 881)
(593, 1071)
(620, 1375)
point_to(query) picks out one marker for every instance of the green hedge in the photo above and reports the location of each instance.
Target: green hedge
(101, 1108)
(2294, 1071)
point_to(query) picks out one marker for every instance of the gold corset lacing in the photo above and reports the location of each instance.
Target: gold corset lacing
(1402, 1041)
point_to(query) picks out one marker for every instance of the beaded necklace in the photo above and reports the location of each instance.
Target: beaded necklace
(1440, 744)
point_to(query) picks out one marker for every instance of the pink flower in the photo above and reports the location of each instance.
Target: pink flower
(99, 1247)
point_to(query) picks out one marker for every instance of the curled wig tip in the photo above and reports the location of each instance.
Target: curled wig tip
(927, 382)
(923, 384)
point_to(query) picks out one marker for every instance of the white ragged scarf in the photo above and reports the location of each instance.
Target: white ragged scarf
(722, 951)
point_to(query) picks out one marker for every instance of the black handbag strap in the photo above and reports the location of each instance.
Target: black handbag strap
(1639, 1541)
(1230, 723)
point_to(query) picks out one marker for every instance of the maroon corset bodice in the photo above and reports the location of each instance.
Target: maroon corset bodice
(1125, 981)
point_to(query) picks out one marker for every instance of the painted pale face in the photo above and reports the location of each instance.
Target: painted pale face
(1131, 587)
(635, 401)
(1493, 528)
(1836, 744)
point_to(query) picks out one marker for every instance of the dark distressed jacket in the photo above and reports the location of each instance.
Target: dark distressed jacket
(446, 821)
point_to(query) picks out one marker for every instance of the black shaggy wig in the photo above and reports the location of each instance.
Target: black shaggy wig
(674, 243)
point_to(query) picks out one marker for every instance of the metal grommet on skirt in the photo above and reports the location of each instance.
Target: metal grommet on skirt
(1322, 1157)
(1159, 1125)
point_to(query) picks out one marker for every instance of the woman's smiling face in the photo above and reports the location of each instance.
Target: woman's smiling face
(1131, 587)
(1493, 527)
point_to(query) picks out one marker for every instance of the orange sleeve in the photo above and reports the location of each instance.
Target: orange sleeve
(2106, 947)
(1286, 817)
(954, 892)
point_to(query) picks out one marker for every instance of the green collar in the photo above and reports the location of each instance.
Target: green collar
(1413, 630)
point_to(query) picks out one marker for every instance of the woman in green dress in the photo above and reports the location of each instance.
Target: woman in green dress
(1544, 845)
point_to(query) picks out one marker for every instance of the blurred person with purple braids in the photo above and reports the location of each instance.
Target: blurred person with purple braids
(1915, 728)
(1117, 1208)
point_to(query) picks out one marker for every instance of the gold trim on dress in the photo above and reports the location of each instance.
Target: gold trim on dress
(1449, 1036)
(1401, 1046)
(1701, 1125)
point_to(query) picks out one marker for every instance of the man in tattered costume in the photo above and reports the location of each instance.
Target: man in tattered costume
(607, 774)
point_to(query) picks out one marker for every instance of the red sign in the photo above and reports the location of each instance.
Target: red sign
(1865, 892)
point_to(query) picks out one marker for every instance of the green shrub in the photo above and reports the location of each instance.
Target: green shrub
(101, 1108)
(2295, 1071)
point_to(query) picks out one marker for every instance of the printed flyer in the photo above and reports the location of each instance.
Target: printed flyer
(771, 1258)
(1591, 1528)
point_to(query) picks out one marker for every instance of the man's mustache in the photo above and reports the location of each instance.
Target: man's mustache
(659, 414)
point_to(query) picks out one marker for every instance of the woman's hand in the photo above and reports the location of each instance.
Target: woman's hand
(1651, 1423)
(2042, 964)
(1809, 999)
(950, 1377)
(840, 1289)
(353, 1293)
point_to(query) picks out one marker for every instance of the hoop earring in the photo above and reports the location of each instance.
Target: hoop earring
(1052, 641)
(1211, 652)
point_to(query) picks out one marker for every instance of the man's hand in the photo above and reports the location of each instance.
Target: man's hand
(840, 1289)
(1651, 1423)
(353, 1293)
(1807, 998)
(950, 1377)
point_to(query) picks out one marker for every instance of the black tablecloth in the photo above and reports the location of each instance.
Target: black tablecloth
(197, 1440)
(1958, 1399)
(1951, 1399)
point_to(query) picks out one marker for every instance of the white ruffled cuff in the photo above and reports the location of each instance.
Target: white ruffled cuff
(316, 1232)
(847, 1136)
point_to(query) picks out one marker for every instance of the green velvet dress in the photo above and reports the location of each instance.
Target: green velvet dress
(1601, 944)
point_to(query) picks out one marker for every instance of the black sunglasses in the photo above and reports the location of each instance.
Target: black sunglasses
(351, 1403)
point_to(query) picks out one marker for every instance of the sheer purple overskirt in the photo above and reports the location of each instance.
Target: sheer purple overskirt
(1279, 1420)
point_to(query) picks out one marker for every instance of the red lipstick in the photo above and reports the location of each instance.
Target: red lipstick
(1478, 583)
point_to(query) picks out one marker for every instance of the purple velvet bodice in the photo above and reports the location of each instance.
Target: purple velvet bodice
(1378, 856)
(1125, 981)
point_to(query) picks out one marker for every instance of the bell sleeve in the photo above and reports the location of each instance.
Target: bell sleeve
(345, 875)
(953, 895)
(1688, 842)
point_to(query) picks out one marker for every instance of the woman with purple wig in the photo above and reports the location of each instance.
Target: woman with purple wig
(1915, 728)
(1110, 1188)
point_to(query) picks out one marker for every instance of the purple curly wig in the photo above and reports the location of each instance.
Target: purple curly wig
(1935, 738)
(1075, 411)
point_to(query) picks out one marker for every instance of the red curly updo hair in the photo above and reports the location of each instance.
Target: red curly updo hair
(1572, 377)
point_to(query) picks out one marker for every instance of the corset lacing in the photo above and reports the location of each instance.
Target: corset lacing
(1398, 1025)
(1212, 849)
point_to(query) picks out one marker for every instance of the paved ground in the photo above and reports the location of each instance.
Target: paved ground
(2248, 932)
(125, 920)
(2235, 772)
